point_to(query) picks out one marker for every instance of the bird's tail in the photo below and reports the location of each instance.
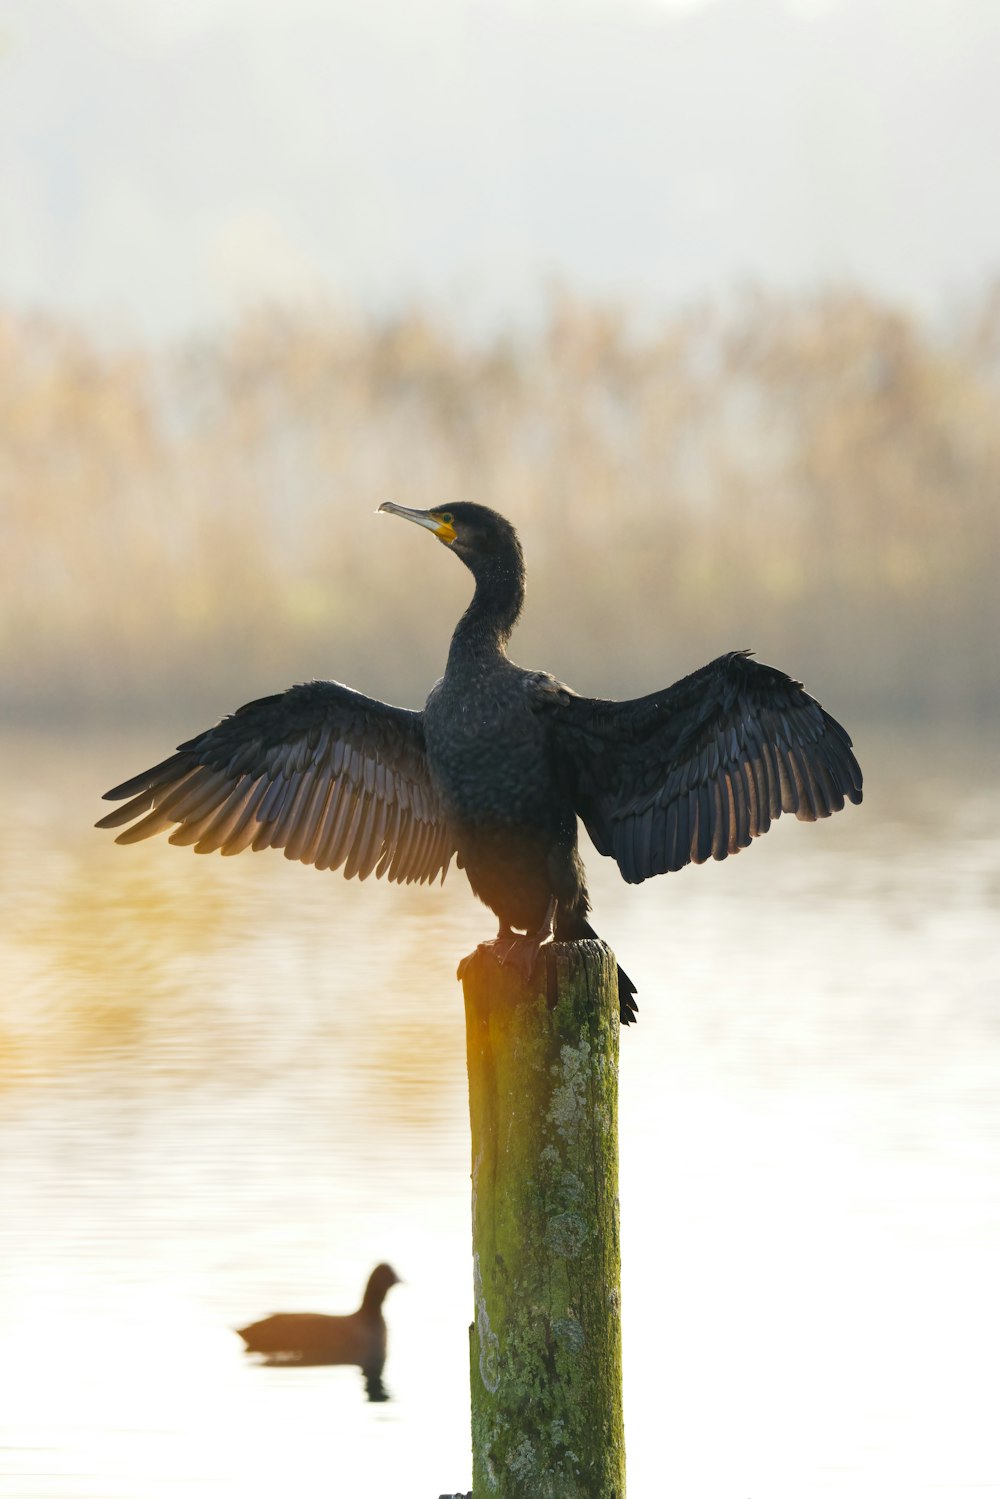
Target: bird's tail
(628, 1010)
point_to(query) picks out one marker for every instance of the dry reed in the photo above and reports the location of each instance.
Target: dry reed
(817, 478)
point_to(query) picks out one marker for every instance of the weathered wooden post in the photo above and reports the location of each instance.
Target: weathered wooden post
(546, 1360)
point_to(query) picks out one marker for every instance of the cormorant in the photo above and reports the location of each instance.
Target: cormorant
(314, 1338)
(499, 766)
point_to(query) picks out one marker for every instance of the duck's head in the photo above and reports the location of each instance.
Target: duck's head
(379, 1282)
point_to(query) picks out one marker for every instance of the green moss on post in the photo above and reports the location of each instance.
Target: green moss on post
(546, 1340)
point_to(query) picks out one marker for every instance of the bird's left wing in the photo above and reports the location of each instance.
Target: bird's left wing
(701, 768)
(330, 776)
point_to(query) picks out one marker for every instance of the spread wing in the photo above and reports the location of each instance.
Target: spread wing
(330, 776)
(703, 767)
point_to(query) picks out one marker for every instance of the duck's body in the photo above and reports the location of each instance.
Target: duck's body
(315, 1338)
(499, 767)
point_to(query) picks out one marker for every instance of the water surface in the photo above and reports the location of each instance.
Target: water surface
(229, 1087)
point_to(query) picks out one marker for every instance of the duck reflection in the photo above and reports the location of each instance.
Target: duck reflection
(310, 1338)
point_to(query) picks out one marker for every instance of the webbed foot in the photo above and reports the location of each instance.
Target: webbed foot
(509, 947)
(519, 953)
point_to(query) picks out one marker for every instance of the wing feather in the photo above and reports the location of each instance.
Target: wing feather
(355, 835)
(374, 840)
(295, 803)
(322, 772)
(241, 835)
(702, 768)
(305, 824)
(225, 818)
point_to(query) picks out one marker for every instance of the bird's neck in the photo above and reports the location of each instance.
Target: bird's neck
(371, 1305)
(486, 625)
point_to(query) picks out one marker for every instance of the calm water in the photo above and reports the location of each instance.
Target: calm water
(230, 1087)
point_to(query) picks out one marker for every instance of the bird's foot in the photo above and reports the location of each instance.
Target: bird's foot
(520, 953)
(511, 951)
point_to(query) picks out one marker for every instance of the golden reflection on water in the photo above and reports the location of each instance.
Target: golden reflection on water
(230, 1087)
(192, 966)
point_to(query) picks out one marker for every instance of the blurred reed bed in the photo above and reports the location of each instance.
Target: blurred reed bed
(818, 478)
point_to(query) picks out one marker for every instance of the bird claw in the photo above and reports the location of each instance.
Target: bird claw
(519, 953)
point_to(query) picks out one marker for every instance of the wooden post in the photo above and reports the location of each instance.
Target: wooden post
(545, 1344)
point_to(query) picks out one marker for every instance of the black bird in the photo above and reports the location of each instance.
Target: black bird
(499, 766)
(313, 1338)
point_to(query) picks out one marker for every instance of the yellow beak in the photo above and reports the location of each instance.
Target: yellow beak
(442, 529)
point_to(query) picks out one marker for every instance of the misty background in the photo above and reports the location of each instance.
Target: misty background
(705, 297)
(165, 163)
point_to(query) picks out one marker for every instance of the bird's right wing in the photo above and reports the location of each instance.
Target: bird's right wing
(330, 776)
(701, 768)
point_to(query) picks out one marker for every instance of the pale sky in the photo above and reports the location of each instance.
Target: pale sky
(166, 163)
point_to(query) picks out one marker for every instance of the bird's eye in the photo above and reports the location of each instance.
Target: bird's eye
(446, 516)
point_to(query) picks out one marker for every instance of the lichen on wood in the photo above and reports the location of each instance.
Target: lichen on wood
(545, 1342)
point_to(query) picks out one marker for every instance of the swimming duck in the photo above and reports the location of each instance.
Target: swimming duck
(314, 1338)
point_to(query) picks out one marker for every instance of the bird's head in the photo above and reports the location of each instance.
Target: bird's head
(381, 1278)
(475, 532)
